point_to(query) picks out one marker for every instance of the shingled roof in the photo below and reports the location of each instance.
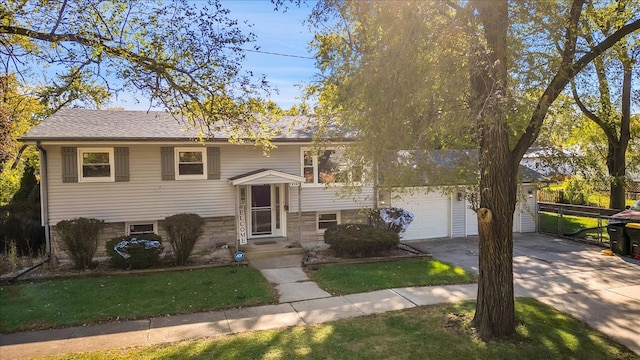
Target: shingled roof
(104, 125)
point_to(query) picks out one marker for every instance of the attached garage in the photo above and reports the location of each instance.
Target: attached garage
(432, 214)
(437, 215)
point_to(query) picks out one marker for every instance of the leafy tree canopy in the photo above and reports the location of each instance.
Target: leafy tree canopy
(184, 55)
(19, 111)
(453, 75)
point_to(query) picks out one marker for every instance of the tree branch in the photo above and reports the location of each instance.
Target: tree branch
(564, 75)
(593, 117)
(62, 7)
(148, 63)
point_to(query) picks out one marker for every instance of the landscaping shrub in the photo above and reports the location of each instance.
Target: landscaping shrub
(141, 256)
(394, 219)
(359, 240)
(183, 230)
(80, 237)
(20, 225)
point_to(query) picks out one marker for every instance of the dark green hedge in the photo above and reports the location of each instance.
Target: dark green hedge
(359, 240)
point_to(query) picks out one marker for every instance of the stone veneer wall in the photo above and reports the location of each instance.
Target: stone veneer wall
(309, 233)
(217, 231)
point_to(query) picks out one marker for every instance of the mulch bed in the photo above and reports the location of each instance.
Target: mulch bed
(317, 256)
(324, 256)
(31, 271)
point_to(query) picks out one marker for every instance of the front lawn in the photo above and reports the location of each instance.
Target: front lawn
(440, 332)
(91, 300)
(356, 278)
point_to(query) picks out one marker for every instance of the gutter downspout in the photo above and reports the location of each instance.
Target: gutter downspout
(44, 198)
(300, 214)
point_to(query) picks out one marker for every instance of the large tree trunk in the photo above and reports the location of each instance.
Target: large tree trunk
(616, 158)
(495, 219)
(618, 141)
(498, 175)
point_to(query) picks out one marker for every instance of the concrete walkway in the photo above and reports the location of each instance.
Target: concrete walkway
(603, 291)
(288, 278)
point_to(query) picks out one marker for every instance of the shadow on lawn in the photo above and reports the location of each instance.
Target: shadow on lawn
(422, 332)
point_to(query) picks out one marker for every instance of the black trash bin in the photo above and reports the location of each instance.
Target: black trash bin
(618, 239)
(633, 232)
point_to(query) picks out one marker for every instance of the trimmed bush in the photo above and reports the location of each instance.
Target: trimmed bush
(140, 256)
(20, 225)
(183, 230)
(359, 240)
(80, 237)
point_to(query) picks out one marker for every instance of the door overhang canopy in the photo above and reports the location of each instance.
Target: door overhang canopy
(265, 176)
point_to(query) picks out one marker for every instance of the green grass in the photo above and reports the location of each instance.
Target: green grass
(356, 278)
(90, 300)
(426, 332)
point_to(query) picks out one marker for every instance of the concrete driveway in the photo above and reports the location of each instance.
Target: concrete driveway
(573, 277)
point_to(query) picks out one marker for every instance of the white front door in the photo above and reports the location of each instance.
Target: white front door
(265, 210)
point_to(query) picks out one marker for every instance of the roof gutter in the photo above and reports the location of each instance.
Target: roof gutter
(44, 197)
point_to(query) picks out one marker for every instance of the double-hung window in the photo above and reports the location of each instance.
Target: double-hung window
(326, 219)
(140, 228)
(323, 167)
(191, 163)
(96, 165)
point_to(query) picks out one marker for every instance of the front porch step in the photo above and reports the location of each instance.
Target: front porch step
(270, 248)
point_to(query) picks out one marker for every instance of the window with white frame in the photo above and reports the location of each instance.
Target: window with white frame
(191, 163)
(326, 219)
(139, 228)
(323, 167)
(96, 164)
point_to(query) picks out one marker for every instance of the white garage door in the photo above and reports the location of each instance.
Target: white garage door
(431, 215)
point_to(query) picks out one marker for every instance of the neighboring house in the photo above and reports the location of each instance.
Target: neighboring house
(133, 168)
(633, 186)
(549, 161)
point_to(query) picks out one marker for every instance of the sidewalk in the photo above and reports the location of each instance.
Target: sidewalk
(212, 324)
(572, 277)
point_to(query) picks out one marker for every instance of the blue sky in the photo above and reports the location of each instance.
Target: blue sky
(276, 32)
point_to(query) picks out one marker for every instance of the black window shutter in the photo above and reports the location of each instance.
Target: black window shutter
(69, 164)
(167, 163)
(121, 163)
(213, 163)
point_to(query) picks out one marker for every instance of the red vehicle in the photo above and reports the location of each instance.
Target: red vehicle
(631, 214)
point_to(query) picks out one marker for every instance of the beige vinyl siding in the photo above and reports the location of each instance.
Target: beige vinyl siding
(144, 197)
(240, 159)
(147, 197)
(458, 217)
(528, 210)
(321, 198)
(472, 221)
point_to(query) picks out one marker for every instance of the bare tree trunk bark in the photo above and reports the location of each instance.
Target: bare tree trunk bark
(498, 175)
(616, 165)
